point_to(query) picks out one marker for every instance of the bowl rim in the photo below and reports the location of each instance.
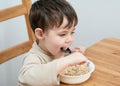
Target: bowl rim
(91, 70)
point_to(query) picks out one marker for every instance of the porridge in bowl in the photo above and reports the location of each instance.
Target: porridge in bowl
(76, 70)
(78, 73)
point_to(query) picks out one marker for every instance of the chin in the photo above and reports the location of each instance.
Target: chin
(59, 55)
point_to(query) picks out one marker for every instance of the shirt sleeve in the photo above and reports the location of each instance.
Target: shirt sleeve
(33, 73)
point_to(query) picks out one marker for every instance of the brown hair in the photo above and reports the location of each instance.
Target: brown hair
(46, 14)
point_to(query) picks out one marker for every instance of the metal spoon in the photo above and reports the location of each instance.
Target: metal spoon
(88, 63)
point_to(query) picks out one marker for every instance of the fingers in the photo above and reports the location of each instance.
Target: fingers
(79, 49)
(77, 58)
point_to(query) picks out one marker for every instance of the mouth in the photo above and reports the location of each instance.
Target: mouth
(66, 50)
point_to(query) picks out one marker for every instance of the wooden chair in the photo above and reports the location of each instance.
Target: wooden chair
(15, 11)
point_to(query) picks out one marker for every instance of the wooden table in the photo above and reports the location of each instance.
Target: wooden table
(106, 57)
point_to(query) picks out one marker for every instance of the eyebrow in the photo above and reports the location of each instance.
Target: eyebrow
(66, 30)
(74, 28)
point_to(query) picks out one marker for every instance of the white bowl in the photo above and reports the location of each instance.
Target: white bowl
(78, 79)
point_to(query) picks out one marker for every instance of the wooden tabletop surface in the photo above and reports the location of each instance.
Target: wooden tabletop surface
(105, 54)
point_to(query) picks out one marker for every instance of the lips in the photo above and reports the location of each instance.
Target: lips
(63, 49)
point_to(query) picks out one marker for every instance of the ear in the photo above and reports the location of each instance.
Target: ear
(39, 33)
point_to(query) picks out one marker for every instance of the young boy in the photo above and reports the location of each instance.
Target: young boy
(53, 22)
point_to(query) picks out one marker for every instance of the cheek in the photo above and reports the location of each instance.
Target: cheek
(54, 44)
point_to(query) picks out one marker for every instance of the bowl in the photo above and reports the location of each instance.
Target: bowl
(76, 79)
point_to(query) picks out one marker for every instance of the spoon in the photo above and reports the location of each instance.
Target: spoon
(88, 63)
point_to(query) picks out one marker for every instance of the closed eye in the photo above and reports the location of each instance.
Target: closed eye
(62, 34)
(72, 32)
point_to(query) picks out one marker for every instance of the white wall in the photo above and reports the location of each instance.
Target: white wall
(98, 19)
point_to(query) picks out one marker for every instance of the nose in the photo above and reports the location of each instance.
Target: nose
(69, 39)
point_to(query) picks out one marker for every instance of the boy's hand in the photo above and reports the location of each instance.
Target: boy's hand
(69, 60)
(79, 49)
(76, 58)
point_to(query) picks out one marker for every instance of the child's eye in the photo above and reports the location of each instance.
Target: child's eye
(72, 32)
(62, 34)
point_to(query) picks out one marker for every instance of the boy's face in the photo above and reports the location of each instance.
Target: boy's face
(57, 38)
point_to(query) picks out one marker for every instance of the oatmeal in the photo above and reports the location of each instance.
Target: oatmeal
(76, 70)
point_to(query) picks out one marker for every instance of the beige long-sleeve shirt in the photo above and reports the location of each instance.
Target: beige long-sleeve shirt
(39, 69)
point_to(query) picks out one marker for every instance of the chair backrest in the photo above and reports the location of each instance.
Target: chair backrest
(15, 11)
